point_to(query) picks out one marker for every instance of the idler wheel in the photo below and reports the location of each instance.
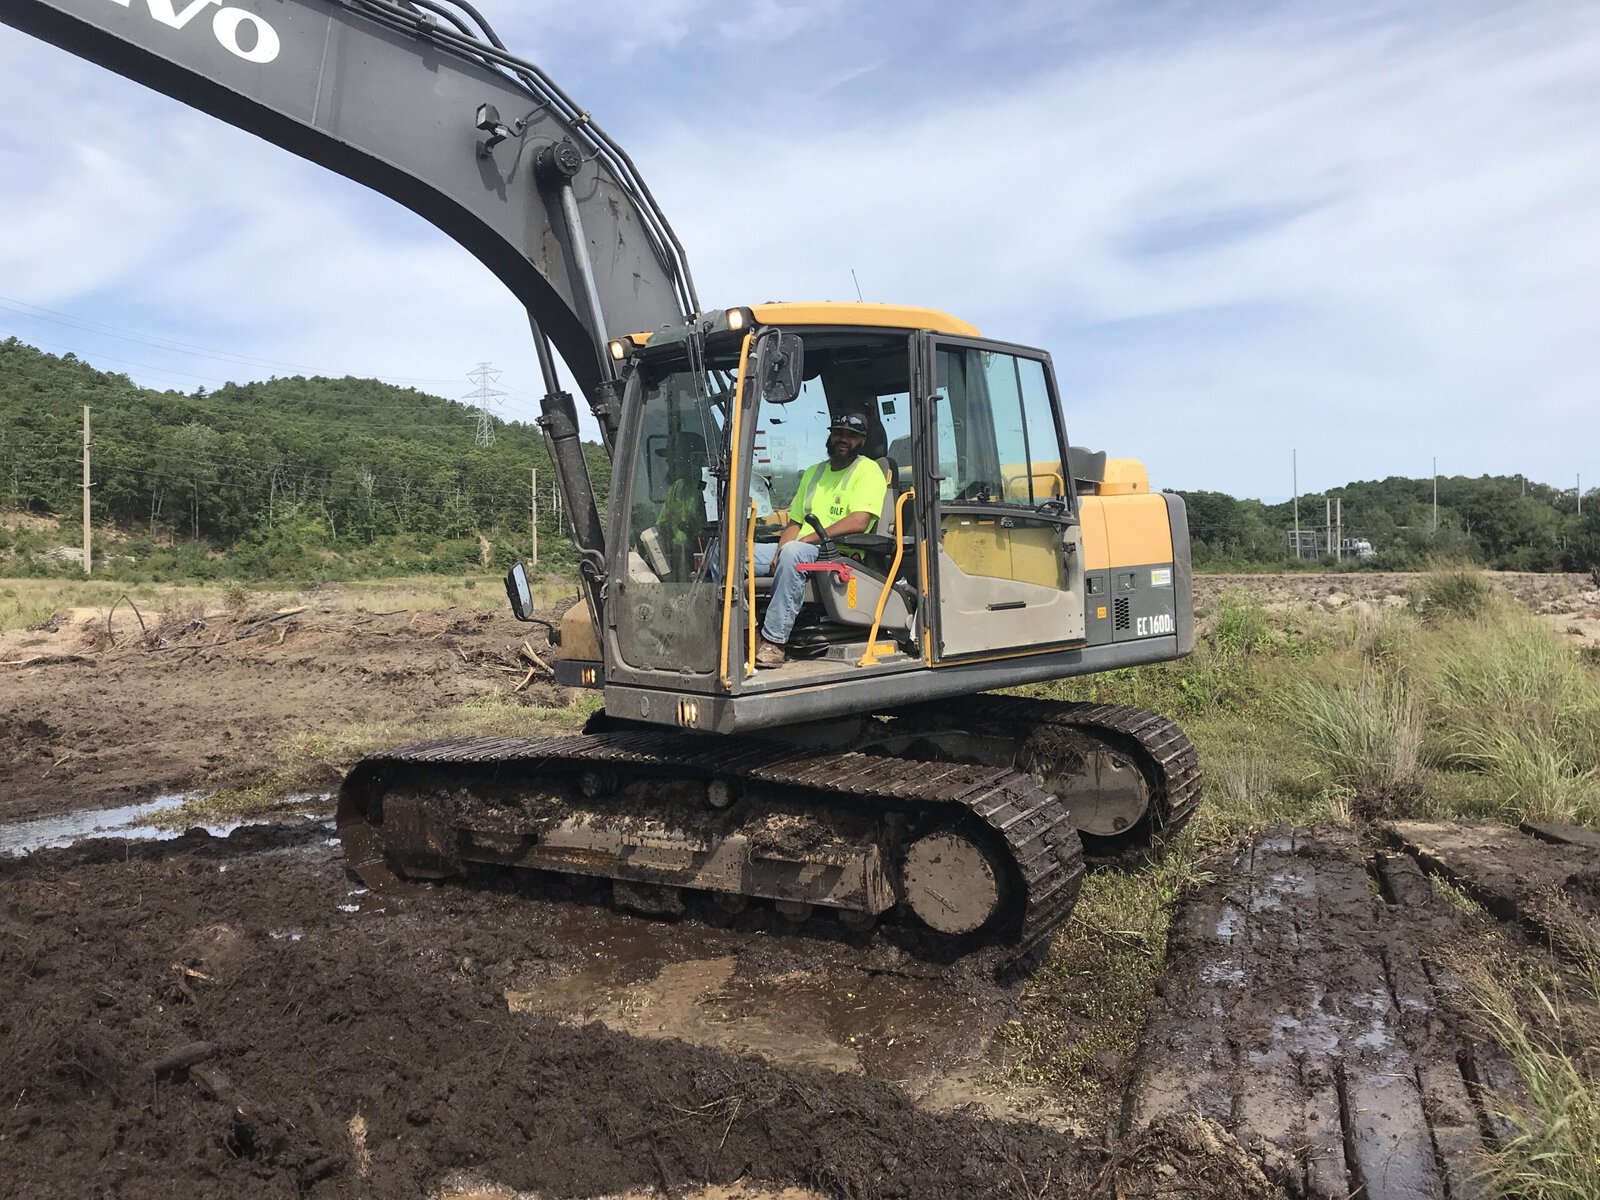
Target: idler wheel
(951, 882)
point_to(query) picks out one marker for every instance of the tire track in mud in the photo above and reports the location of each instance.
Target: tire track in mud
(1306, 1009)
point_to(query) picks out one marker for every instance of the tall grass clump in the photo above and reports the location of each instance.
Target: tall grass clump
(1451, 592)
(1367, 732)
(1553, 1152)
(1511, 702)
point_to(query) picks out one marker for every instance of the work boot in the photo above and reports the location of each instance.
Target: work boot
(770, 654)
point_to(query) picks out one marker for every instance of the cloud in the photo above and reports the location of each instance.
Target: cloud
(1367, 231)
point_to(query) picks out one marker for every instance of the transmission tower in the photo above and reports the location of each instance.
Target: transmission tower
(483, 398)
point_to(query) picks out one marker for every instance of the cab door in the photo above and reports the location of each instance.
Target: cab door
(1005, 555)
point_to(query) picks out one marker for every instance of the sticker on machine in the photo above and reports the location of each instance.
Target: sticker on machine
(1161, 577)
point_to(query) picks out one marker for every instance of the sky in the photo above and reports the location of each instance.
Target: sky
(1364, 234)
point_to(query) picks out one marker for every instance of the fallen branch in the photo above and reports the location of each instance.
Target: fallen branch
(528, 656)
(526, 679)
(142, 630)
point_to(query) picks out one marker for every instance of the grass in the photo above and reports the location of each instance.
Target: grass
(1549, 1024)
(1366, 730)
(1460, 705)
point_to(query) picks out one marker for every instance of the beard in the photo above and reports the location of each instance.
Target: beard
(841, 453)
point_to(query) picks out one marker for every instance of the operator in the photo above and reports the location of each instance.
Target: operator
(845, 494)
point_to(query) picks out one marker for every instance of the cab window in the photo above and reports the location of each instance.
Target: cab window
(996, 427)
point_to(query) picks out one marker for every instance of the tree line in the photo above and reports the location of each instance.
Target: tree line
(318, 477)
(1506, 522)
(286, 476)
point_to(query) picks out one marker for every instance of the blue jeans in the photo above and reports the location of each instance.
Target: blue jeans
(788, 585)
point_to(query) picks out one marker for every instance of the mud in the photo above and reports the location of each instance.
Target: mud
(1309, 1008)
(1546, 876)
(237, 1016)
(205, 700)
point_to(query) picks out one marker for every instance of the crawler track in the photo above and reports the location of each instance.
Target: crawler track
(1163, 752)
(1040, 853)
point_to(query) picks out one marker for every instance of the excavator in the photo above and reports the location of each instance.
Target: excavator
(875, 775)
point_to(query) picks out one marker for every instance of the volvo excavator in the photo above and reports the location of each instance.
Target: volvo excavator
(874, 775)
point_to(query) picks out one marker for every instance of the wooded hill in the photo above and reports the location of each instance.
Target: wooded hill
(291, 477)
(1502, 521)
(313, 478)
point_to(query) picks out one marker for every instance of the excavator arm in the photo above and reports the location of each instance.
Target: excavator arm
(422, 102)
(393, 96)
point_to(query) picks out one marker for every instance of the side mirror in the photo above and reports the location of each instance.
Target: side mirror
(519, 592)
(782, 364)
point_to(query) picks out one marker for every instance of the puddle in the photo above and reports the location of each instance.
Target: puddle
(133, 822)
(805, 1008)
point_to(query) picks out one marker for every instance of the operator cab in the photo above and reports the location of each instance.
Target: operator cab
(738, 404)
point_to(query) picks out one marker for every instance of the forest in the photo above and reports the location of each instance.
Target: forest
(1506, 522)
(339, 478)
(310, 478)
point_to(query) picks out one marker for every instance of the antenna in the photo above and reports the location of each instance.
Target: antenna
(855, 281)
(483, 399)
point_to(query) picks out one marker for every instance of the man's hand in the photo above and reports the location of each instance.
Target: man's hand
(856, 522)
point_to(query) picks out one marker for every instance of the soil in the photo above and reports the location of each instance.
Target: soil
(236, 1016)
(1569, 604)
(203, 700)
(233, 1017)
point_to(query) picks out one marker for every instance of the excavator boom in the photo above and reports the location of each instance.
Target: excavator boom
(422, 103)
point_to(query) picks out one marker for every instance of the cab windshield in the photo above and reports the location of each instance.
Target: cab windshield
(668, 611)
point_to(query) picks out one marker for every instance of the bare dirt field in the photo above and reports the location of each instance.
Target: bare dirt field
(236, 1016)
(1569, 604)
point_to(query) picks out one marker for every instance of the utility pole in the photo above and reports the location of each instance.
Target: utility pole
(1295, 468)
(1579, 479)
(1327, 522)
(1338, 520)
(533, 513)
(1436, 493)
(88, 560)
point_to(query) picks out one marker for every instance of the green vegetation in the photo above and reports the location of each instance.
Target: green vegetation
(1499, 521)
(292, 478)
(1462, 704)
(1546, 1020)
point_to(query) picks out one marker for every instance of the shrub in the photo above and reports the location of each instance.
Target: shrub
(1451, 593)
(1508, 700)
(1366, 732)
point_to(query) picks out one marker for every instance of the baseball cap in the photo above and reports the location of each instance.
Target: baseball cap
(850, 423)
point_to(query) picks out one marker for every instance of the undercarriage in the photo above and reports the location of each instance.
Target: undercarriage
(963, 822)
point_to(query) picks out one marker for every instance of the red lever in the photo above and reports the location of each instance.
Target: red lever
(844, 571)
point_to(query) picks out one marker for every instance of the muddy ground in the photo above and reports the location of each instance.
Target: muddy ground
(206, 699)
(236, 1017)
